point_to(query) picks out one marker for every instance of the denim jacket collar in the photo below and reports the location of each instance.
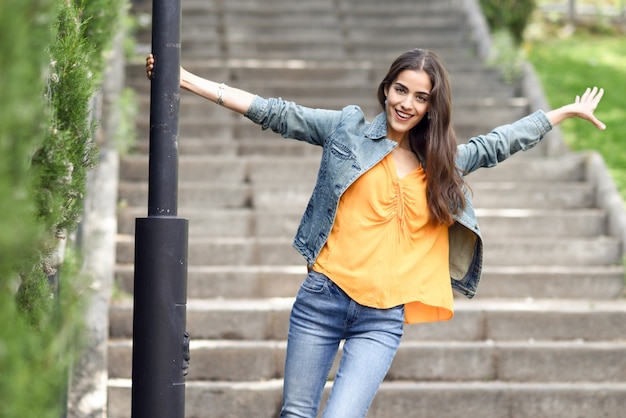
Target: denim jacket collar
(378, 128)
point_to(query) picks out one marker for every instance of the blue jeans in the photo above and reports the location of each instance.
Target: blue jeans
(322, 316)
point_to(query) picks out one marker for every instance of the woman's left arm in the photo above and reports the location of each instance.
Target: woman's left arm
(583, 107)
(490, 149)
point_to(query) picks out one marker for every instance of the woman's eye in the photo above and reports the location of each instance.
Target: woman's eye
(422, 99)
(400, 90)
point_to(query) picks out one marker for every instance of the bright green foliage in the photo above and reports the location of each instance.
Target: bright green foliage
(49, 74)
(35, 296)
(101, 20)
(510, 15)
(22, 126)
(68, 151)
(35, 363)
(32, 381)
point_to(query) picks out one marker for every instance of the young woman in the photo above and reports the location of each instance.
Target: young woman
(389, 230)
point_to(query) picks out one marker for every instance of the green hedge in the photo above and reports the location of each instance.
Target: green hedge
(510, 15)
(27, 24)
(52, 55)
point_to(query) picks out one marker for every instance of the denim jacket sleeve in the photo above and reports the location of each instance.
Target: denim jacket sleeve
(294, 121)
(504, 141)
(466, 244)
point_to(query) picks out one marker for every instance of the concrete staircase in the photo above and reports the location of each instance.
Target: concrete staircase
(544, 338)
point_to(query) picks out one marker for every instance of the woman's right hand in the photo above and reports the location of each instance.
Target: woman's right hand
(150, 66)
(237, 100)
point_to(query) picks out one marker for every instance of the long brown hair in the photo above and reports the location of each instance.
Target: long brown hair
(433, 139)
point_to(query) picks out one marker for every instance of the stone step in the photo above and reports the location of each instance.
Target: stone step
(277, 7)
(200, 24)
(423, 5)
(528, 281)
(268, 7)
(487, 195)
(277, 170)
(356, 19)
(272, 7)
(434, 36)
(483, 361)
(235, 21)
(499, 251)
(243, 22)
(410, 399)
(389, 50)
(474, 320)
(391, 9)
(281, 223)
(293, 32)
(384, 49)
(209, 145)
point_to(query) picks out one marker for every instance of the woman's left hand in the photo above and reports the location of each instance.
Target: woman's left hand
(583, 107)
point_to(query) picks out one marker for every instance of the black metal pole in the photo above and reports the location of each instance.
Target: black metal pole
(160, 343)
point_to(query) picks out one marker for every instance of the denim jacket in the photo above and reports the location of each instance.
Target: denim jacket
(352, 145)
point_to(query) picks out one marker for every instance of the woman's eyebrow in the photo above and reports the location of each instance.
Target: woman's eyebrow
(405, 87)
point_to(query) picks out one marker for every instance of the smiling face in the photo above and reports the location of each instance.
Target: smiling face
(407, 102)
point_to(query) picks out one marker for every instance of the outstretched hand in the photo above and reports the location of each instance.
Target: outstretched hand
(584, 106)
(587, 104)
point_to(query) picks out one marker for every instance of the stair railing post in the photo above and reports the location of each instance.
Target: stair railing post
(160, 343)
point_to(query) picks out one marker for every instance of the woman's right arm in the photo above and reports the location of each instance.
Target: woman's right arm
(283, 117)
(232, 98)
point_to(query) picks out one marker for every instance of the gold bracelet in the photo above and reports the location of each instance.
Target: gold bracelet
(220, 94)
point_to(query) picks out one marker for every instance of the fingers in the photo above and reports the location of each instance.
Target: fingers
(591, 95)
(587, 104)
(597, 123)
(150, 66)
(598, 97)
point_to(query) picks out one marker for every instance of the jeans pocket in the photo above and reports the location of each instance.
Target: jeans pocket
(315, 282)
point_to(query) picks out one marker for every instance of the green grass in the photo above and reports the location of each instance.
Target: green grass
(567, 65)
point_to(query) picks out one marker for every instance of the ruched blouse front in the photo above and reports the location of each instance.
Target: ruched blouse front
(383, 251)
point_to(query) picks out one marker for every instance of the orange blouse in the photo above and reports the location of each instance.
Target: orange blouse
(382, 250)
